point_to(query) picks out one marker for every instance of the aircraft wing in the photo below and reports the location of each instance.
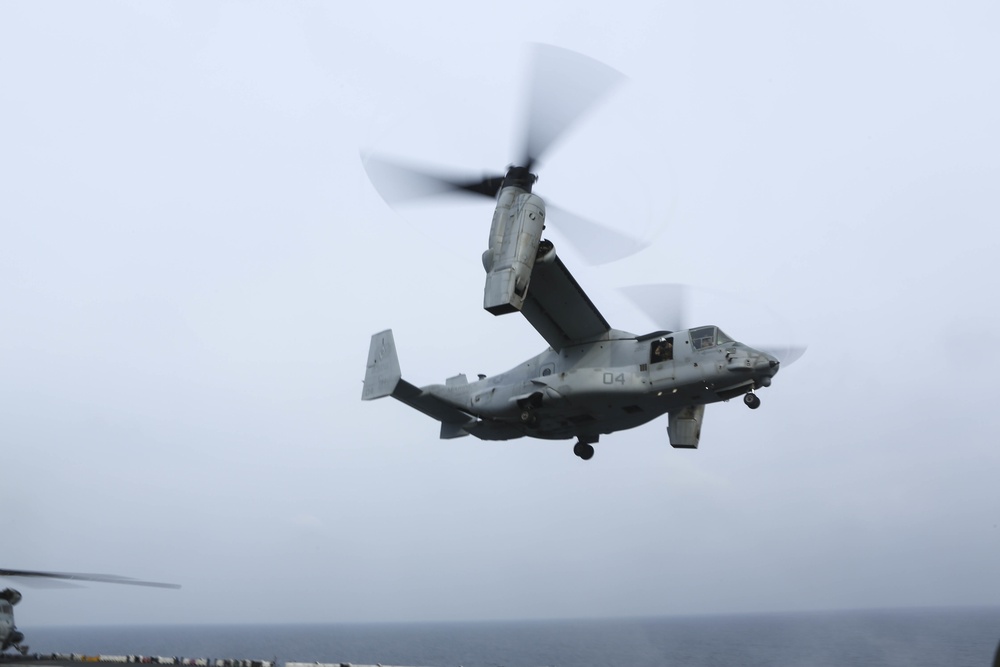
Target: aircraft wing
(558, 307)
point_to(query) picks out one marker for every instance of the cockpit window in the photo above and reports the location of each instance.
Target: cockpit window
(723, 339)
(703, 337)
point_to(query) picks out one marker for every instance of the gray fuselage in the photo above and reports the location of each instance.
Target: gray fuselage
(608, 385)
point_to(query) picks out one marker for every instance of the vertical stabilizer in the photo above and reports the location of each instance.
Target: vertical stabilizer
(382, 374)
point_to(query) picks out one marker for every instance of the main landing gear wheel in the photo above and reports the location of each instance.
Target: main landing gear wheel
(752, 401)
(584, 450)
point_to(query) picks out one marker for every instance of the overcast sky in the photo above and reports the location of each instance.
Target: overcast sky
(192, 261)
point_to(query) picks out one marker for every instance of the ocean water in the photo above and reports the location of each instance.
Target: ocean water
(911, 638)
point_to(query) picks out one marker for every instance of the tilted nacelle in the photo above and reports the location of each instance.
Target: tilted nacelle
(514, 237)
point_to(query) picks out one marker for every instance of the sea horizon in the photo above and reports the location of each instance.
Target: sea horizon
(884, 637)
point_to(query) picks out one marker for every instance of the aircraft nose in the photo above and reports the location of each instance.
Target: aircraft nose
(768, 365)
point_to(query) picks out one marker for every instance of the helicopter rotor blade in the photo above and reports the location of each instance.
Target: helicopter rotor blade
(667, 306)
(76, 576)
(597, 243)
(786, 354)
(665, 303)
(563, 86)
(396, 182)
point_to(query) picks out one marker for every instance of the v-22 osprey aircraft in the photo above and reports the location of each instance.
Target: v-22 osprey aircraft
(593, 380)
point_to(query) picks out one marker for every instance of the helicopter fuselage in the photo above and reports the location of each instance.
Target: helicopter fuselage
(588, 389)
(10, 636)
(606, 386)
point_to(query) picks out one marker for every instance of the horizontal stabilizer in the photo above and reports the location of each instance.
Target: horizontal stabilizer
(430, 405)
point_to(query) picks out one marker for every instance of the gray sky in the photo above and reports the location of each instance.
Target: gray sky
(193, 261)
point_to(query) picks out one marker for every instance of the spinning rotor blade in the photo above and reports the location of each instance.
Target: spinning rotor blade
(70, 576)
(564, 86)
(597, 243)
(396, 182)
(667, 306)
(786, 354)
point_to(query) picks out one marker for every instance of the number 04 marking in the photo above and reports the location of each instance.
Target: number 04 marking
(611, 378)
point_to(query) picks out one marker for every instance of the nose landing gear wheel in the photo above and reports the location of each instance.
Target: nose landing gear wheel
(584, 450)
(752, 401)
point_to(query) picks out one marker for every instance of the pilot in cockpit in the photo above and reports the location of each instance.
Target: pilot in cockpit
(703, 338)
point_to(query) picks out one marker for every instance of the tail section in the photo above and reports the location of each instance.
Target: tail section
(383, 374)
(383, 378)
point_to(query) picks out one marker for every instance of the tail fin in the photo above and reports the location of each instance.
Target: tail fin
(383, 372)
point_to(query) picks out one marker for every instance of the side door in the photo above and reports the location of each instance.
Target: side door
(660, 363)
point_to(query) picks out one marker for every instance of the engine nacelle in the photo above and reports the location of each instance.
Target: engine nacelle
(514, 237)
(684, 427)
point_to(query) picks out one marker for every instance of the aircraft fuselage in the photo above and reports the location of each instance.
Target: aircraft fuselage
(604, 386)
